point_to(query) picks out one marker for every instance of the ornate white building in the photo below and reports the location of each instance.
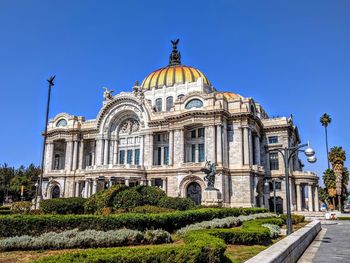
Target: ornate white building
(162, 133)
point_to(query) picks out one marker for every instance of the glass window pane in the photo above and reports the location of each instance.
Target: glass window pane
(193, 153)
(158, 105)
(166, 155)
(129, 157)
(195, 103)
(169, 103)
(273, 139)
(201, 152)
(201, 132)
(159, 161)
(121, 157)
(274, 165)
(137, 156)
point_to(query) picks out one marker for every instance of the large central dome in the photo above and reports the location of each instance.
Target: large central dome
(174, 73)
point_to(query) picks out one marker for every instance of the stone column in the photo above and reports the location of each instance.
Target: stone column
(196, 153)
(298, 197)
(81, 155)
(88, 188)
(161, 155)
(148, 150)
(99, 152)
(142, 148)
(250, 142)
(94, 186)
(126, 182)
(210, 142)
(115, 152)
(257, 150)
(171, 147)
(49, 150)
(310, 197)
(69, 155)
(75, 156)
(219, 144)
(149, 182)
(246, 146)
(316, 202)
(164, 187)
(93, 154)
(105, 152)
(224, 146)
(111, 152)
(77, 188)
(85, 189)
(178, 147)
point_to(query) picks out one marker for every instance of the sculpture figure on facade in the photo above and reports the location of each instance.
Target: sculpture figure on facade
(107, 94)
(210, 171)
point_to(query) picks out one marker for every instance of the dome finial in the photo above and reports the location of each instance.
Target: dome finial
(175, 56)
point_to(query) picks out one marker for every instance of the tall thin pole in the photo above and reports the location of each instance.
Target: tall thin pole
(286, 170)
(325, 128)
(40, 186)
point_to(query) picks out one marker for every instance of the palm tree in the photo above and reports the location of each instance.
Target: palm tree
(329, 182)
(337, 157)
(325, 120)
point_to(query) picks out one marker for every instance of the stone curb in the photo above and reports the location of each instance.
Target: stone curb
(289, 249)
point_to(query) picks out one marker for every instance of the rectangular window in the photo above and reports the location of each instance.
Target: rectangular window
(193, 153)
(193, 134)
(201, 132)
(159, 159)
(166, 155)
(158, 137)
(137, 156)
(121, 157)
(129, 157)
(201, 152)
(273, 139)
(274, 165)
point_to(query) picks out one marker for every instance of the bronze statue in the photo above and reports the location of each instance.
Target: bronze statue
(175, 56)
(210, 171)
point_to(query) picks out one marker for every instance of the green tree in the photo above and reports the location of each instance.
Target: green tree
(329, 182)
(337, 157)
(325, 121)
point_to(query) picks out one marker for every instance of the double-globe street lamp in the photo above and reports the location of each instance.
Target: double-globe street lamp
(288, 153)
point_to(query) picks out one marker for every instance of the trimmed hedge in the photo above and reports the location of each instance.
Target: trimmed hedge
(201, 246)
(63, 206)
(14, 225)
(102, 199)
(176, 203)
(147, 209)
(150, 194)
(344, 218)
(128, 198)
(296, 219)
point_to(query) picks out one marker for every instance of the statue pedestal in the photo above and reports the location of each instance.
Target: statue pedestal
(212, 197)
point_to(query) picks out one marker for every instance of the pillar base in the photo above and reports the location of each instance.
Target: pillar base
(212, 197)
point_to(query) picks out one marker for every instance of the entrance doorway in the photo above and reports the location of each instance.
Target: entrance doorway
(194, 192)
(55, 192)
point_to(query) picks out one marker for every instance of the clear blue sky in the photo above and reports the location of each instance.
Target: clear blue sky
(290, 56)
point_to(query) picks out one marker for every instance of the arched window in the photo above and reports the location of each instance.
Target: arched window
(180, 96)
(61, 123)
(55, 192)
(159, 105)
(169, 103)
(195, 103)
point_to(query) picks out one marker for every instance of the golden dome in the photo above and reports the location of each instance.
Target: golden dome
(174, 73)
(231, 95)
(170, 75)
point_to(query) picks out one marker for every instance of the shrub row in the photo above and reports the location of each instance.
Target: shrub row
(226, 222)
(15, 225)
(4, 208)
(296, 219)
(62, 206)
(121, 197)
(201, 246)
(85, 239)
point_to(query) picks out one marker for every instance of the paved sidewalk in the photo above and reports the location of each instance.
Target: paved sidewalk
(332, 244)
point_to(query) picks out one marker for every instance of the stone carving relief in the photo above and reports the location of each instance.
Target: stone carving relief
(129, 126)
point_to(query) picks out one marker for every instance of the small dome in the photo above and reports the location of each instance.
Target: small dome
(174, 73)
(170, 75)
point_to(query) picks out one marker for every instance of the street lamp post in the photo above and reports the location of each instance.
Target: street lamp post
(39, 191)
(288, 153)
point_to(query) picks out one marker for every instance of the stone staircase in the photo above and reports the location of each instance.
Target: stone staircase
(310, 216)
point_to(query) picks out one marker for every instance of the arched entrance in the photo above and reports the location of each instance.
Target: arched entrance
(55, 192)
(194, 192)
